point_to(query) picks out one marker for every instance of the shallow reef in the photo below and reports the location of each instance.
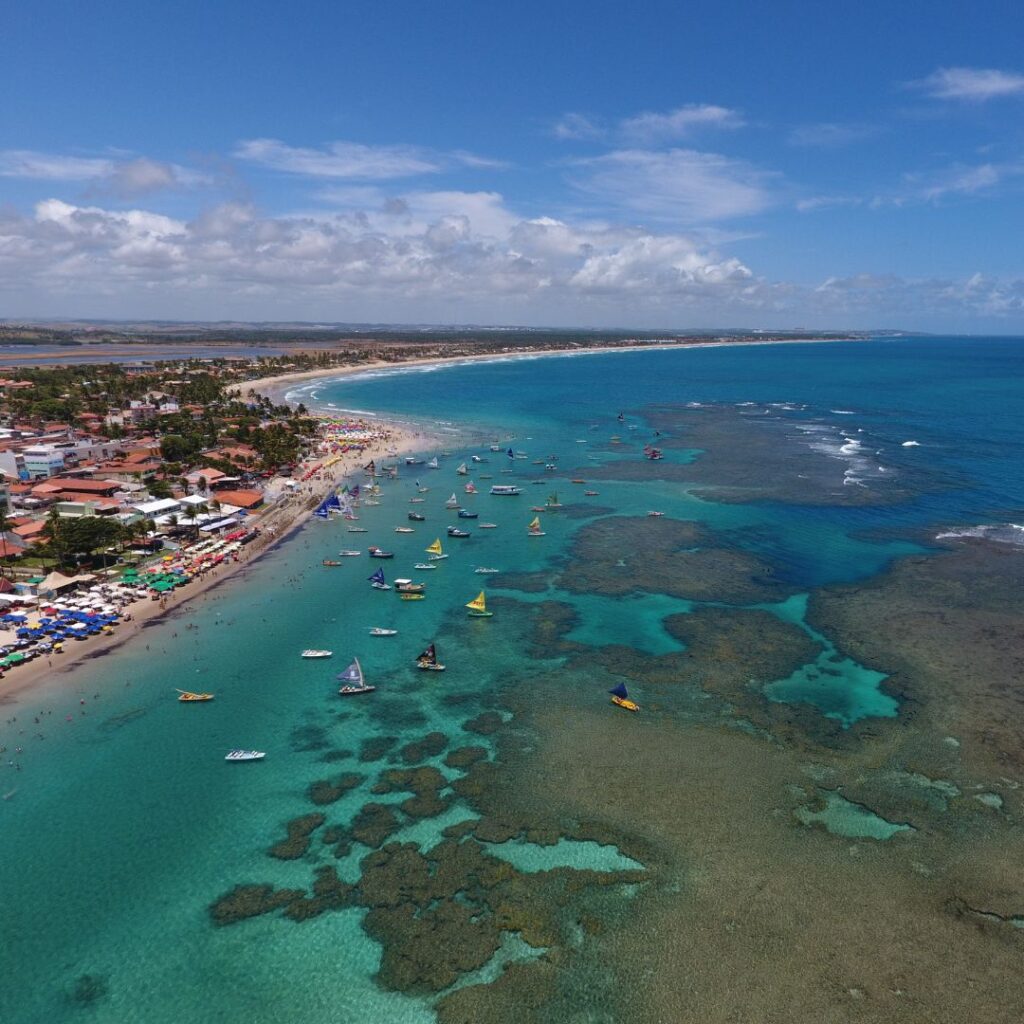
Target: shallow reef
(327, 791)
(297, 842)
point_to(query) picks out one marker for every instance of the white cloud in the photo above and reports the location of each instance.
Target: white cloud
(354, 160)
(830, 135)
(975, 85)
(676, 124)
(680, 185)
(125, 178)
(577, 126)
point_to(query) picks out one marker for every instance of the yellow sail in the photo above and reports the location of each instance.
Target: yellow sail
(535, 525)
(479, 603)
(435, 548)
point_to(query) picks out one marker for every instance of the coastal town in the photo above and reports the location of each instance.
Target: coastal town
(124, 490)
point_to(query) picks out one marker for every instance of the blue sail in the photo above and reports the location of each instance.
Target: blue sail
(333, 502)
(511, 454)
(377, 577)
(619, 691)
(352, 674)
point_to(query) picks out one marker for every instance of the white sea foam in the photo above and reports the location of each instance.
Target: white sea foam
(1001, 533)
(911, 444)
(843, 412)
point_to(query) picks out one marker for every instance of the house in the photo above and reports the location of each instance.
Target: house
(30, 533)
(89, 488)
(243, 499)
(159, 507)
(210, 475)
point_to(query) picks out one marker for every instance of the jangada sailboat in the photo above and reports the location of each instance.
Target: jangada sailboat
(470, 488)
(534, 529)
(620, 698)
(378, 582)
(553, 501)
(433, 463)
(452, 502)
(187, 696)
(434, 552)
(428, 662)
(478, 607)
(462, 470)
(353, 680)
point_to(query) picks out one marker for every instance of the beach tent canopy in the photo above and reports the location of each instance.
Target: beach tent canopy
(58, 581)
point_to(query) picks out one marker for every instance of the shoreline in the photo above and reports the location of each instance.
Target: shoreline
(288, 515)
(292, 513)
(275, 387)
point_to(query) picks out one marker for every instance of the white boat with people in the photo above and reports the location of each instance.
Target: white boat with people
(312, 653)
(349, 553)
(484, 571)
(505, 490)
(381, 631)
(425, 566)
(245, 755)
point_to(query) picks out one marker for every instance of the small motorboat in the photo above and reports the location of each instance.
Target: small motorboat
(654, 515)
(620, 698)
(495, 447)
(488, 526)
(313, 653)
(577, 481)
(454, 531)
(417, 501)
(410, 461)
(424, 566)
(477, 458)
(483, 571)
(245, 755)
(188, 697)
(381, 631)
(349, 553)
(410, 597)
(486, 476)
(404, 529)
(329, 562)
(591, 494)
(464, 513)
(417, 517)
(537, 508)
(408, 587)
(375, 552)
(357, 529)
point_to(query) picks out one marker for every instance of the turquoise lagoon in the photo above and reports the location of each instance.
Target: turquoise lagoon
(124, 824)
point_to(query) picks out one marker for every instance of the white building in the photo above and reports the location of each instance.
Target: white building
(44, 460)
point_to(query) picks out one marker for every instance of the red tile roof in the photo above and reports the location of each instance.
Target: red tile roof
(243, 499)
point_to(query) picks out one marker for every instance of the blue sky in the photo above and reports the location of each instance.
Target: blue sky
(655, 164)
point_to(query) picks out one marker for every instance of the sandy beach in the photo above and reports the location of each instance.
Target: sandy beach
(276, 387)
(279, 521)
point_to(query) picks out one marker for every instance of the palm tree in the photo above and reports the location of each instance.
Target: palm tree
(5, 525)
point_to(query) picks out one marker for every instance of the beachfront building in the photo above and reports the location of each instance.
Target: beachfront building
(42, 460)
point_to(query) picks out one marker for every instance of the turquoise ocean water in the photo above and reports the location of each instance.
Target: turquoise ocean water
(123, 823)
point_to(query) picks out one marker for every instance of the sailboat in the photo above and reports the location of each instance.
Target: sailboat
(428, 662)
(435, 551)
(378, 582)
(452, 502)
(553, 501)
(620, 698)
(187, 696)
(433, 463)
(354, 681)
(470, 488)
(462, 469)
(534, 529)
(478, 607)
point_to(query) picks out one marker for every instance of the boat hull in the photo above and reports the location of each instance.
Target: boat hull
(625, 703)
(481, 615)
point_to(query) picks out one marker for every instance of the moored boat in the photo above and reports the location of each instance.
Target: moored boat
(452, 502)
(378, 582)
(424, 566)
(488, 526)
(654, 515)
(462, 469)
(410, 597)
(427, 661)
(354, 681)
(245, 755)
(188, 697)
(375, 552)
(533, 529)
(349, 553)
(313, 653)
(591, 494)
(417, 517)
(404, 529)
(329, 562)
(464, 513)
(408, 587)
(484, 571)
(381, 631)
(434, 552)
(505, 490)
(454, 531)
(433, 463)
(620, 698)
(357, 529)
(478, 607)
